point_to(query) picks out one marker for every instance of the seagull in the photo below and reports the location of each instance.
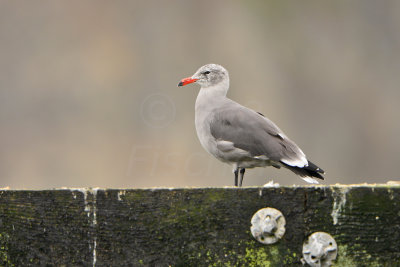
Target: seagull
(240, 136)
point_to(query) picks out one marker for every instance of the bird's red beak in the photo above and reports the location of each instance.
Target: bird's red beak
(186, 81)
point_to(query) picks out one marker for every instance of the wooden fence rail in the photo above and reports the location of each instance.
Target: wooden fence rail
(195, 226)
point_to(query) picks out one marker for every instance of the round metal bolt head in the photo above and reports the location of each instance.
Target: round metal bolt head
(319, 250)
(268, 225)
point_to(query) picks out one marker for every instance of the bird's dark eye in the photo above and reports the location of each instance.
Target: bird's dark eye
(206, 72)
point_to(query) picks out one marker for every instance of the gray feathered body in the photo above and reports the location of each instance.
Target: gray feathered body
(244, 138)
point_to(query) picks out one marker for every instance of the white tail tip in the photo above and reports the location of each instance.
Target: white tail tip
(310, 180)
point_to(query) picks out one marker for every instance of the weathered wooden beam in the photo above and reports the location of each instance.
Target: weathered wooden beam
(195, 226)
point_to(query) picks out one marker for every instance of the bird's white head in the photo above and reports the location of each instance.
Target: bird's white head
(210, 75)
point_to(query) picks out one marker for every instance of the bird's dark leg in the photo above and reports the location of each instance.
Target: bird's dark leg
(242, 170)
(236, 176)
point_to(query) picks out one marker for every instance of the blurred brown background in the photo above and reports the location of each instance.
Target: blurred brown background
(89, 96)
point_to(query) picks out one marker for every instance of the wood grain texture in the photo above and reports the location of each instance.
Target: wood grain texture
(195, 227)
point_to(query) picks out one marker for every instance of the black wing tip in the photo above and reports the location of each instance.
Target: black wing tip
(311, 170)
(309, 173)
(312, 167)
(315, 174)
(314, 170)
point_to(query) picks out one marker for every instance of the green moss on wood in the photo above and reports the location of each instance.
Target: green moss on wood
(253, 255)
(4, 254)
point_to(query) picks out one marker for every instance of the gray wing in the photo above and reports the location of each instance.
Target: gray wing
(254, 133)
